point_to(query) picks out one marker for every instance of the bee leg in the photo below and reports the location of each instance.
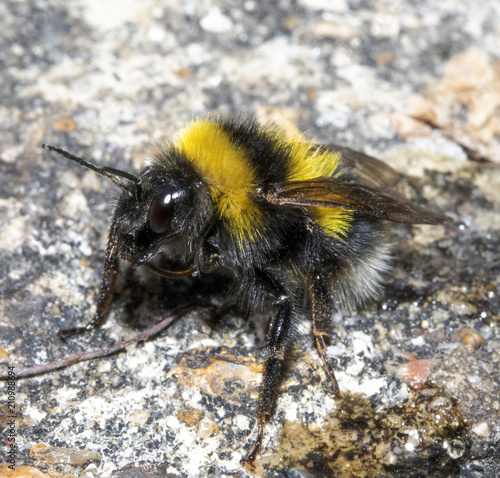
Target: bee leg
(278, 338)
(105, 290)
(321, 308)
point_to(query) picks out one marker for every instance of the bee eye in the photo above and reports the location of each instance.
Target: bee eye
(160, 212)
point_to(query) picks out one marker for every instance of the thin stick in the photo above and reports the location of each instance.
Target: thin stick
(57, 364)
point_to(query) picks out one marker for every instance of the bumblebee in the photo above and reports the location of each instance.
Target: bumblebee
(295, 224)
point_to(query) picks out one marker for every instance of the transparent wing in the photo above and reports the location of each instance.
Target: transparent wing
(365, 186)
(369, 170)
(332, 192)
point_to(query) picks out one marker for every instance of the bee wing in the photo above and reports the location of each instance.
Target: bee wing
(371, 171)
(367, 200)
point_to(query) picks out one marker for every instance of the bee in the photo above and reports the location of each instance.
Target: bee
(298, 226)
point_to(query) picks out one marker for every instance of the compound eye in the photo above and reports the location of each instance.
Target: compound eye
(160, 213)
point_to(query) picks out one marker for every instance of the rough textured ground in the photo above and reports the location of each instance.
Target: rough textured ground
(417, 85)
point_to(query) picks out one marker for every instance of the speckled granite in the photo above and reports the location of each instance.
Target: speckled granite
(418, 370)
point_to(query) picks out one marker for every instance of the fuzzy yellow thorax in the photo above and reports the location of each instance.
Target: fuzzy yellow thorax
(229, 175)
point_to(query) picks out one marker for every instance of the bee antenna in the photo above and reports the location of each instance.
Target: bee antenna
(106, 171)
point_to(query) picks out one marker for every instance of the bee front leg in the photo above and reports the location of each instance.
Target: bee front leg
(105, 289)
(278, 338)
(321, 308)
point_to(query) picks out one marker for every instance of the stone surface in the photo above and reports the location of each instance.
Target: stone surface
(418, 370)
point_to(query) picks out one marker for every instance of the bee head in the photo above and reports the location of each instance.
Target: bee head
(153, 212)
